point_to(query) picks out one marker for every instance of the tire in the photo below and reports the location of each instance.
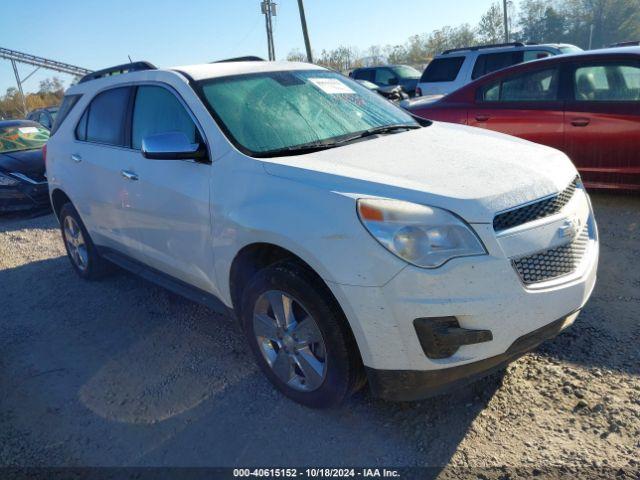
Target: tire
(81, 251)
(332, 365)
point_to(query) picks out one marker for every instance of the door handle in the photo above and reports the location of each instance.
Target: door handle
(482, 118)
(580, 122)
(129, 175)
(76, 158)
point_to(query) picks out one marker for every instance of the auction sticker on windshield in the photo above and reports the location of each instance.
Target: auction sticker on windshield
(332, 86)
(28, 130)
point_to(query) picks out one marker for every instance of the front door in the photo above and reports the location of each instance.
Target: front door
(524, 105)
(171, 208)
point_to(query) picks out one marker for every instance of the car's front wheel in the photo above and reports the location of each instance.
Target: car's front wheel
(81, 251)
(300, 337)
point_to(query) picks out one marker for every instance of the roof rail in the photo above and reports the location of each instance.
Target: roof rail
(118, 70)
(481, 47)
(625, 44)
(248, 58)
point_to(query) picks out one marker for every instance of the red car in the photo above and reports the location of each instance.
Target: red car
(586, 104)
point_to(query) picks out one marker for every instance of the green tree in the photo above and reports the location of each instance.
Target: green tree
(491, 26)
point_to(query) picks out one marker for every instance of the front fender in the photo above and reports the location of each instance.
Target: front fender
(319, 226)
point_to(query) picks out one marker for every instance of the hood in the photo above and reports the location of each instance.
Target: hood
(27, 162)
(472, 172)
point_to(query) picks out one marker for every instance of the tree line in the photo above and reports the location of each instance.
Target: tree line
(584, 23)
(50, 93)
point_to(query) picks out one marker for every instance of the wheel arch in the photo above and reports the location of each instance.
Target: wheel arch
(255, 256)
(58, 199)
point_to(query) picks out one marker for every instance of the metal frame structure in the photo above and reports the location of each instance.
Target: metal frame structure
(39, 62)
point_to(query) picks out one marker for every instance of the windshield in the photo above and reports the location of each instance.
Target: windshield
(404, 71)
(273, 111)
(22, 137)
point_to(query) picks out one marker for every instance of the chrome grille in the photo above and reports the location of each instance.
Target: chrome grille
(553, 263)
(534, 211)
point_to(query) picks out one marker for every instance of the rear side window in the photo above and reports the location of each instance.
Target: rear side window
(442, 70)
(364, 75)
(68, 102)
(612, 82)
(540, 86)
(157, 110)
(490, 62)
(104, 119)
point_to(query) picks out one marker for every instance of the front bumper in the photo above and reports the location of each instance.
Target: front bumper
(491, 306)
(24, 196)
(409, 385)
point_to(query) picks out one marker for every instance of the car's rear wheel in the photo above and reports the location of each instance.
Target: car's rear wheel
(300, 337)
(81, 251)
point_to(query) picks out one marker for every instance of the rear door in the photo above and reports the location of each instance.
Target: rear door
(603, 122)
(526, 105)
(99, 155)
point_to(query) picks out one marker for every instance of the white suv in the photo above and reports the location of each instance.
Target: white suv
(454, 68)
(351, 242)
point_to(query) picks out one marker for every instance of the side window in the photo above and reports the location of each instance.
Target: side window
(442, 70)
(490, 62)
(613, 82)
(157, 110)
(44, 120)
(68, 102)
(384, 76)
(104, 119)
(81, 128)
(535, 55)
(364, 74)
(540, 86)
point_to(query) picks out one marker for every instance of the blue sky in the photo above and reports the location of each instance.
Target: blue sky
(95, 34)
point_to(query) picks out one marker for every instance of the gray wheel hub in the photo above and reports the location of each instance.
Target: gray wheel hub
(75, 242)
(290, 340)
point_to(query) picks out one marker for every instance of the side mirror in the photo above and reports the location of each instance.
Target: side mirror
(394, 81)
(172, 146)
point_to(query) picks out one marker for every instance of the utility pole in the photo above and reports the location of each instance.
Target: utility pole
(506, 21)
(305, 32)
(591, 36)
(269, 10)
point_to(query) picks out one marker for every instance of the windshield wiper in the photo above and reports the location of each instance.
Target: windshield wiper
(324, 145)
(384, 129)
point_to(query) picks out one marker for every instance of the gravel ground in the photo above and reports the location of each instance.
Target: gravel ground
(122, 373)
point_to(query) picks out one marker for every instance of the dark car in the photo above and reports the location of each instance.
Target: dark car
(586, 104)
(394, 93)
(390, 75)
(44, 116)
(23, 183)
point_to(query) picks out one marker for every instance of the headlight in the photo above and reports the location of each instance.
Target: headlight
(424, 236)
(7, 181)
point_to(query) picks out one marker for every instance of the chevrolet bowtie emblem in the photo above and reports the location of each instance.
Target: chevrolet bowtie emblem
(571, 228)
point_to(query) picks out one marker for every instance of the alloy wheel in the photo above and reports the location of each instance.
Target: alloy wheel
(75, 242)
(290, 340)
